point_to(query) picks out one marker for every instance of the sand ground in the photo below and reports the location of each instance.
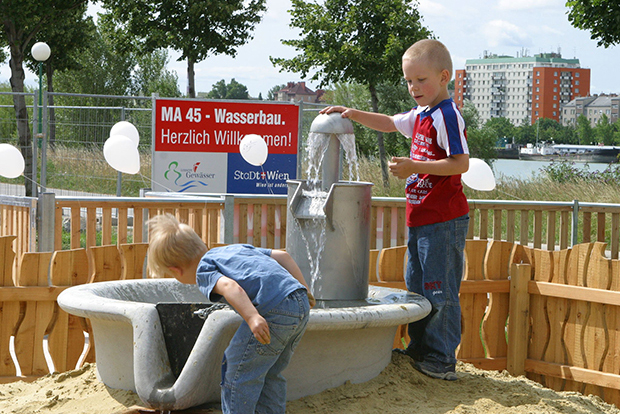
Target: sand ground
(399, 389)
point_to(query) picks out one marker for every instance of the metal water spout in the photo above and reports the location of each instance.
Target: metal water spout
(332, 125)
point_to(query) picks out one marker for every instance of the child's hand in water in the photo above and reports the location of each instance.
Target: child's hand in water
(311, 299)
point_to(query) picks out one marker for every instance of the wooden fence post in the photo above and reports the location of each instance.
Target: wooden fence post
(518, 319)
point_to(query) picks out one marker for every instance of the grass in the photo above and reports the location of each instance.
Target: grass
(85, 169)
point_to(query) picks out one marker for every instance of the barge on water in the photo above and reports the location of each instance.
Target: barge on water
(579, 153)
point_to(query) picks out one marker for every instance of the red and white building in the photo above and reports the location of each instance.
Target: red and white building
(521, 89)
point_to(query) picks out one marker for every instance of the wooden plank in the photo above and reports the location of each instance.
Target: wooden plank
(473, 305)
(496, 261)
(564, 230)
(539, 331)
(33, 271)
(372, 265)
(519, 319)
(138, 225)
(485, 286)
(9, 311)
(615, 234)
(557, 312)
(391, 264)
(105, 263)
(122, 226)
(66, 332)
(488, 364)
(76, 228)
(58, 229)
(587, 227)
(538, 229)
(497, 224)
(510, 226)
(132, 260)
(595, 345)
(106, 226)
(600, 227)
(91, 226)
(551, 230)
(524, 229)
(484, 224)
(573, 373)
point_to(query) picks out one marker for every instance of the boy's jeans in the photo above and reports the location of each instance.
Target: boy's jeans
(435, 270)
(251, 372)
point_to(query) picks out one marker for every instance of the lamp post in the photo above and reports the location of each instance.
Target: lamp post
(40, 52)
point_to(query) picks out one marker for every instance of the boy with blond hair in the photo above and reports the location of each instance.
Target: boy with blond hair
(268, 290)
(437, 210)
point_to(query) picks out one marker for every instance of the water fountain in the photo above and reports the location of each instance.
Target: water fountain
(150, 339)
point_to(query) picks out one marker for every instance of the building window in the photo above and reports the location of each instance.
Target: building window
(555, 73)
(576, 90)
(576, 74)
(576, 82)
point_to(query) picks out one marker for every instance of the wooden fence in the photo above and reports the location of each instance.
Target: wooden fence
(71, 222)
(551, 315)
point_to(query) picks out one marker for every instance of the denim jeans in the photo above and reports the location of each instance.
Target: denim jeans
(435, 270)
(251, 372)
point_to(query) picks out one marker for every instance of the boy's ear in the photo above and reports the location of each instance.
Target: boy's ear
(445, 77)
(176, 271)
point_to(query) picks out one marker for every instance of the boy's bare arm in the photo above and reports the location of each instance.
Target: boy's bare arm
(403, 167)
(238, 299)
(378, 122)
(286, 261)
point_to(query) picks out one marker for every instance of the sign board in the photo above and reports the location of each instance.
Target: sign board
(196, 146)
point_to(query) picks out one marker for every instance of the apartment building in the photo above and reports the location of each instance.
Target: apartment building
(523, 88)
(593, 108)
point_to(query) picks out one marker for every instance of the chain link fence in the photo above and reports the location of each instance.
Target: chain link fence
(69, 151)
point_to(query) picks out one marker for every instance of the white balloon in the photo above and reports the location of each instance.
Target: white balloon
(127, 129)
(479, 176)
(253, 149)
(122, 155)
(12, 162)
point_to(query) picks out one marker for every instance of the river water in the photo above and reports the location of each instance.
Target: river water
(522, 169)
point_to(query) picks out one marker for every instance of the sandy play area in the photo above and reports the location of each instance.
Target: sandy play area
(399, 389)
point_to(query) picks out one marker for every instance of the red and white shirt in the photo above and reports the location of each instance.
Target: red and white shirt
(435, 133)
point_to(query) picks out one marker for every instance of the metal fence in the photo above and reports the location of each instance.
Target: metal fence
(69, 152)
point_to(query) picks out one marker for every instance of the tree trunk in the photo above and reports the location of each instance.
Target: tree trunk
(191, 86)
(51, 124)
(21, 113)
(374, 101)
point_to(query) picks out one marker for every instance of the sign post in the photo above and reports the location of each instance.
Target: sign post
(196, 146)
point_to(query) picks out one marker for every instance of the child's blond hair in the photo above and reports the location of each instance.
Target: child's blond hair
(432, 52)
(171, 244)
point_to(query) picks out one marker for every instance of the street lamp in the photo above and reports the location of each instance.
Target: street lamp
(40, 52)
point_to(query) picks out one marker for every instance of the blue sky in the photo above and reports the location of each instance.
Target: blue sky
(467, 27)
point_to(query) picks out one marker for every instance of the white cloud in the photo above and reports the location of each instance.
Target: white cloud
(503, 33)
(529, 4)
(431, 8)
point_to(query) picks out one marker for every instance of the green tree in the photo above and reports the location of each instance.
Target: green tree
(68, 38)
(196, 29)
(21, 22)
(502, 128)
(358, 41)
(604, 131)
(233, 90)
(272, 94)
(480, 141)
(584, 131)
(600, 17)
(151, 76)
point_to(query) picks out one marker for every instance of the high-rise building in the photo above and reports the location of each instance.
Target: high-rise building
(521, 89)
